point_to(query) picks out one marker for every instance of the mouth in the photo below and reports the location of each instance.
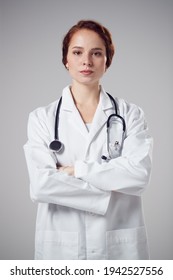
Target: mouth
(86, 72)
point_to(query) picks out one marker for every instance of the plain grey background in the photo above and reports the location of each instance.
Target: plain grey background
(32, 75)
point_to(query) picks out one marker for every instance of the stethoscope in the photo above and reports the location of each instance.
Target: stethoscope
(57, 146)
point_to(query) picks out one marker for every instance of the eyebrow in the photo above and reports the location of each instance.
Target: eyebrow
(93, 49)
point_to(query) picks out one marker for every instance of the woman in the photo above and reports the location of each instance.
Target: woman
(89, 189)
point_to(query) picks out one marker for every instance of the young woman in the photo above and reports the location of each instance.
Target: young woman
(89, 160)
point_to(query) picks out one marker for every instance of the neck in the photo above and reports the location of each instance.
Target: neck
(84, 94)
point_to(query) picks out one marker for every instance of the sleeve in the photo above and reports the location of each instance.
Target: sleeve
(48, 185)
(130, 172)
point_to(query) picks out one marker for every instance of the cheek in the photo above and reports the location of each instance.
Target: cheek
(103, 66)
(105, 61)
(68, 59)
(102, 62)
(71, 61)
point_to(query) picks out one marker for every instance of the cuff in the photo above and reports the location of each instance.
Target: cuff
(80, 169)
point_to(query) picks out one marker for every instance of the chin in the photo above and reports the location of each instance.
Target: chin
(87, 81)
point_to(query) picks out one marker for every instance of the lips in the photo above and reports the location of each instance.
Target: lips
(86, 72)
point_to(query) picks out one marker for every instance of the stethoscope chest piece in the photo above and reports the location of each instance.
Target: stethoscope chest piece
(56, 146)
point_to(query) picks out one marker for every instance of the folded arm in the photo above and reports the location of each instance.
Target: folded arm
(49, 185)
(130, 172)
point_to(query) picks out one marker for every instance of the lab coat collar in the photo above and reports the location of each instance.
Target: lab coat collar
(104, 109)
(68, 102)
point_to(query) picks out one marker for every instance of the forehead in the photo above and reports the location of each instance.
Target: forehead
(85, 37)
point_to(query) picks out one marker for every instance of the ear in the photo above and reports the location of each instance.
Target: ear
(67, 66)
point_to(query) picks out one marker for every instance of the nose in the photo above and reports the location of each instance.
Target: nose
(87, 60)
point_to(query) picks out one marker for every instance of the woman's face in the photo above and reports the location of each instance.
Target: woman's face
(86, 57)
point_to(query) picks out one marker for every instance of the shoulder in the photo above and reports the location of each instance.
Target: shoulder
(40, 122)
(44, 112)
(124, 107)
(132, 114)
(129, 110)
(49, 111)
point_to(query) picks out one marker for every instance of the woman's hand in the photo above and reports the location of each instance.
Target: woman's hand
(67, 169)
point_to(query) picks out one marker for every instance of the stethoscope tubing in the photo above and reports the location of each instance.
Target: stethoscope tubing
(57, 119)
(57, 146)
(117, 116)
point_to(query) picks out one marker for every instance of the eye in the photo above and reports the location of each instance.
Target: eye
(77, 52)
(97, 53)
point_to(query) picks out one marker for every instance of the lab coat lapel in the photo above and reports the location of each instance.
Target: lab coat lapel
(73, 114)
(104, 109)
(77, 122)
(99, 120)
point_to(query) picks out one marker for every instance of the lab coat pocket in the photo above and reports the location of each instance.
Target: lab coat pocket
(56, 245)
(127, 244)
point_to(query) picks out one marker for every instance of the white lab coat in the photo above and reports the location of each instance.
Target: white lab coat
(97, 213)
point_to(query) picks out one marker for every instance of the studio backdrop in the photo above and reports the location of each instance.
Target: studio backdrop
(32, 75)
